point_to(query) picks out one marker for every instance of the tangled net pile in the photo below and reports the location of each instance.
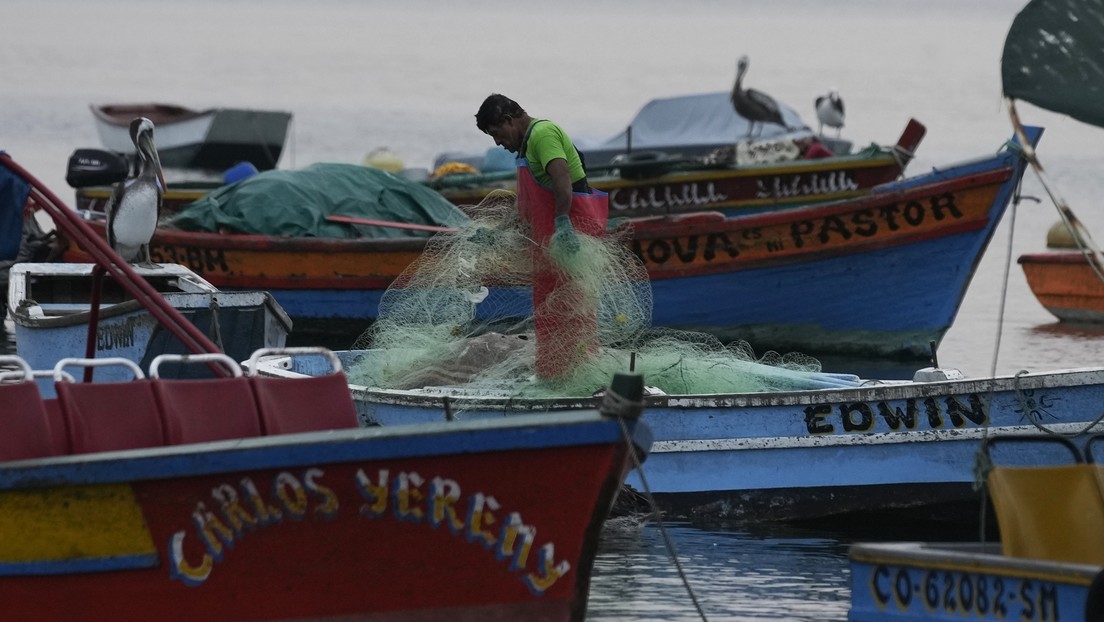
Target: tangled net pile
(462, 315)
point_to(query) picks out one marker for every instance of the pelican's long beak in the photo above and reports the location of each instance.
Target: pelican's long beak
(154, 159)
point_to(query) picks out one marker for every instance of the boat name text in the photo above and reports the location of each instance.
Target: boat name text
(831, 230)
(789, 186)
(437, 502)
(869, 416)
(110, 336)
(649, 198)
(199, 260)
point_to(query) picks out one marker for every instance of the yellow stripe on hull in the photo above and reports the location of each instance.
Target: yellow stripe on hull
(71, 522)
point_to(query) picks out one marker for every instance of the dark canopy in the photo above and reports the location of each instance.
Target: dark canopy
(1054, 58)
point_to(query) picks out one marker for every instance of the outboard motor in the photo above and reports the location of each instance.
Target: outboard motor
(95, 167)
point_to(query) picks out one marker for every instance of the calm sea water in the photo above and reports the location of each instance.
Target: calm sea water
(409, 76)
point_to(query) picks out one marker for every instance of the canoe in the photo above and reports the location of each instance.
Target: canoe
(249, 498)
(881, 275)
(50, 306)
(891, 448)
(214, 139)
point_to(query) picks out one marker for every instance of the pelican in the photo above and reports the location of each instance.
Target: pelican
(753, 105)
(829, 109)
(136, 202)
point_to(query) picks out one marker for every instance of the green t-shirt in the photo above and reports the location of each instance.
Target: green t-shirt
(546, 143)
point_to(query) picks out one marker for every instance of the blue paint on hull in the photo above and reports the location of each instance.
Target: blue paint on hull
(887, 302)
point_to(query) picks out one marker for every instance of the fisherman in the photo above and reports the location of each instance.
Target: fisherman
(556, 202)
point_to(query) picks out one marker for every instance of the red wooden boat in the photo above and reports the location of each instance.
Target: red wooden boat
(249, 498)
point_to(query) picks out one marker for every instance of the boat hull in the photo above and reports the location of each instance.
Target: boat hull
(879, 276)
(882, 448)
(950, 581)
(214, 139)
(1066, 284)
(375, 524)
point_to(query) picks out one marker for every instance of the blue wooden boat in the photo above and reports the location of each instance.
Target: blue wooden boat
(880, 275)
(888, 447)
(49, 304)
(1048, 565)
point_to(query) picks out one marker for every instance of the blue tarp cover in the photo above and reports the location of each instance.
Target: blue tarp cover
(702, 119)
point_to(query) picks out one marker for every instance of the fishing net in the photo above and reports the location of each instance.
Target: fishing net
(462, 316)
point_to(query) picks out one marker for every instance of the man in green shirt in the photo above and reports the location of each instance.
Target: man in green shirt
(552, 157)
(553, 199)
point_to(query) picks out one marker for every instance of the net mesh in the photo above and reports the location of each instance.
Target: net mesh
(462, 316)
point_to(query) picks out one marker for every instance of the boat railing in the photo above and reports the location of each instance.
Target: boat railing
(154, 411)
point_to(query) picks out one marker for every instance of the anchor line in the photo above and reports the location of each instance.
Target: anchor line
(667, 542)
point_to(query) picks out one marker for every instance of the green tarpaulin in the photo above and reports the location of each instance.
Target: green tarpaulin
(296, 203)
(1054, 58)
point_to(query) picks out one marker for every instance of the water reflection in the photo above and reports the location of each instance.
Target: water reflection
(735, 575)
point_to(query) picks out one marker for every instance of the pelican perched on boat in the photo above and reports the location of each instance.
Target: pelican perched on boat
(135, 203)
(829, 109)
(755, 106)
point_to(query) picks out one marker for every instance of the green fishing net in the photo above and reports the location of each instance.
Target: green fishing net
(461, 316)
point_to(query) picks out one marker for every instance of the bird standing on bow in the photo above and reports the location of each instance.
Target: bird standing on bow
(755, 106)
(829, 109)
(135, 203)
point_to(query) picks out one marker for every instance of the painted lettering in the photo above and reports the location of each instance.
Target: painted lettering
(375, 495)
(928, 593)
(894, 418)
(327, 506)
(548, 571)
(515, 541)
(956, 411)
(200, 260)
(444, 494)
(409, 497)
(815, 419)
(292, 497)
(242, 510)
(720, 242)
(114, 336)
(481, 516)
(789, 186)
(231, 508)
(665, 196)
(864, 421)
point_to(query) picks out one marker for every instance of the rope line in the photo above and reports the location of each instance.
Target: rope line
(667, 542)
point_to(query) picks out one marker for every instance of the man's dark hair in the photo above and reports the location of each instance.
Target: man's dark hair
(494, 110)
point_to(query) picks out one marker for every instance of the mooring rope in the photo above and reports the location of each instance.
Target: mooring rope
(655, 514)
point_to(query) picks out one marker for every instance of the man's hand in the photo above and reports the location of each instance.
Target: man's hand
(565, 236)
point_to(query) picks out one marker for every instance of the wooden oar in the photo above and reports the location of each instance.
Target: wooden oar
(389, 223)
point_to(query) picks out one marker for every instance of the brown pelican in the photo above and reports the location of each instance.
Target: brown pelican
(753, 105)
(135, 203)
(829, 109)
